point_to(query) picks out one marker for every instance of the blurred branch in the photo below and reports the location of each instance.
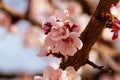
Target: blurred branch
(90, 35)
(98, 67)
(16, 15)
(7, 76)
(106, 53)
(85, 6)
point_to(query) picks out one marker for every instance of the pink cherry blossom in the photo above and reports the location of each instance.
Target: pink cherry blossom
(51, 74)
(58, 74)
(59, 31)
(61, 15)
(116, 28)
(70, 74)
(44, 51)
(75, 28)
(115, 33)
(69, 46)
(115, 10)
(62, 36)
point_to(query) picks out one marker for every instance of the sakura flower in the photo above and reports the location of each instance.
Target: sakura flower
(51, 74)
(61, 15)
(58, 74)
(116, 29)
(70, 74)
(75, 28)
(115, 33)
(115, 10)
(62, 36)
(38, 78)
(44, 50)
(47, 24)
(69, 46)
(59, 32)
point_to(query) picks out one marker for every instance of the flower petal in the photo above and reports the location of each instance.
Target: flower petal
(67, 49)
(78, 43)
(61, 15)
(49, 41)
(74, 35)
(114, 11)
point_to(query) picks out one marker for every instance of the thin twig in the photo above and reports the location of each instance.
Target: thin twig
(98, 67)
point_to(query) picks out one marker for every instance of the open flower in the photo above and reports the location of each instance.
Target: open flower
(62, 36)
(51, 74)
(60, 16)
(68, 46)
(70, 74)
(59, 31)
(115, 11)
(58, 74)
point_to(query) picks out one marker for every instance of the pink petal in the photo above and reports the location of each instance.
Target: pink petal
(57, 74)
(48, 72)
(115, 35)
(72, 74)
(67, 49)
(52, 74)
(74, 35)
(78, 43)
(62, 15)
(114, 11)
(44, 50)
(70, 69)
(49, 41)
(52, 20)
(59, 33)
(38, 78)
(75, 28)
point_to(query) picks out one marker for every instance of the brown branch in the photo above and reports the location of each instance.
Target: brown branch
(89, 35)
(16, 15)
(98, 67)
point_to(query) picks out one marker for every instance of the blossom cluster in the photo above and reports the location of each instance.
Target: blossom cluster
(62, 36)
(115, 11)
(58, 74)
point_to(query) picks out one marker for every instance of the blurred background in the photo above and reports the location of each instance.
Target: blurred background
(21, 36)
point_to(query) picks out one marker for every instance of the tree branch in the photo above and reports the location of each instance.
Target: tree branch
(17, 16)
(89, 35)
(98, 67)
